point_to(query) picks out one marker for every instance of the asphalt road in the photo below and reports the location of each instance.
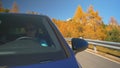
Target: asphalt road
(88, 60)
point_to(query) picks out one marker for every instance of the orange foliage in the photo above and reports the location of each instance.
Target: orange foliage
(83, 24)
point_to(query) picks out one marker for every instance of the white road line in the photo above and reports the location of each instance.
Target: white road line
(103, 57)
(100, 56)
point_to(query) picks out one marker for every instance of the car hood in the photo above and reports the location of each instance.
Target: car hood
(66, 63)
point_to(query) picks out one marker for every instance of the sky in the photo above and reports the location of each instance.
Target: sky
(64, 9)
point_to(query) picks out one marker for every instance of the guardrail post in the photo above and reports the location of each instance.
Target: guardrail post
(95, 49)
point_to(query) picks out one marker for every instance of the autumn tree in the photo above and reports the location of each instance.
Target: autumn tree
(79, 15)
(87, 25)
(113, 22)
(93, 16)
(15, 8)
(113, 35)
(67, 28)
(113, 30)
(6, 10)
(94, 25)
(112, 25)
(3, 9)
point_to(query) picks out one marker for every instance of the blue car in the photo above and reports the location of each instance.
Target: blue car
(33, 41)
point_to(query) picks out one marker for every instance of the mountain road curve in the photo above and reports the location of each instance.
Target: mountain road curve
(89, 60)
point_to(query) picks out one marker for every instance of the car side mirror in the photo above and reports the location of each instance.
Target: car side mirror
(79, 45)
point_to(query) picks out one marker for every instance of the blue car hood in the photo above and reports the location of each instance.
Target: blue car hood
(66, 63)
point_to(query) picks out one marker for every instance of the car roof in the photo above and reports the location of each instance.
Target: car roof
(23, 14)
(18, 17)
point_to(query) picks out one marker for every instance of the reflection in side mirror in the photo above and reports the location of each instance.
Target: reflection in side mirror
(79, 45)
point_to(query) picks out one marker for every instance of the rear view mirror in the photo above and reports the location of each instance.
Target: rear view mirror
(78, 44)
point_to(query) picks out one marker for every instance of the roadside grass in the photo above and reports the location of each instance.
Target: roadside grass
(110, 51)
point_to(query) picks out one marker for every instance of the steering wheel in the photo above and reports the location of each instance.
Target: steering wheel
(24, 37)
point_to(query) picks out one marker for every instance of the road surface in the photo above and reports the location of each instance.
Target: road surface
(88, 60)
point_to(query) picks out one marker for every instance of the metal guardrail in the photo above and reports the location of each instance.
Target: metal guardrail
(112, 45)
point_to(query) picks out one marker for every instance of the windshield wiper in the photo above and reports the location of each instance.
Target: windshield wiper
(46, 61)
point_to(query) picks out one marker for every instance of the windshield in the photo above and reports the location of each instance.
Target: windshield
(27, 39)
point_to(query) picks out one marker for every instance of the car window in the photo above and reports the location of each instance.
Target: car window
(24, 38)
